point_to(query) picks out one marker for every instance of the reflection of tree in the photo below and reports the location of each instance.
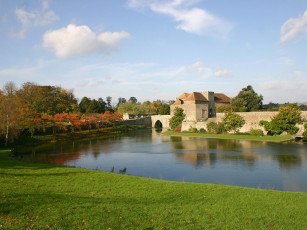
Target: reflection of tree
(289, 162)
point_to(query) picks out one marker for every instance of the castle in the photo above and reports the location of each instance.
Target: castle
(199, 105)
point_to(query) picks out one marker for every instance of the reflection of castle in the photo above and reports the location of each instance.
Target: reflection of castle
(199, 105)
(206, 152)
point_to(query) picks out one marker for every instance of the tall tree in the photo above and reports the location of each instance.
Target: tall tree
(164, 109)
(84, 104)
(94, 107)
(121, 100)
(133, 100)
(176, 120)
(248, 99)
(9, 117)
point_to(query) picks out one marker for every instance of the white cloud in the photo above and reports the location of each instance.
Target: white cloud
(75, 40)
(192, 20)
(222, 73)
(197, 66)
(293, 27)
(28, 19)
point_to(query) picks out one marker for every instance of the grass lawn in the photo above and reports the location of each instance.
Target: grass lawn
(232, 136)
(37, 196)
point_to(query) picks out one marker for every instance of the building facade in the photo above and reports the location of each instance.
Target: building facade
(199, 105)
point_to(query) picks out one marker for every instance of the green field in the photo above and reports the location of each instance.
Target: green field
(232, 136)
(37, 196)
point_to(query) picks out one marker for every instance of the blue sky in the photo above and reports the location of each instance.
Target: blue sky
(157, 49)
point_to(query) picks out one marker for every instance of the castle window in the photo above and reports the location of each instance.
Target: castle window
(203, 114)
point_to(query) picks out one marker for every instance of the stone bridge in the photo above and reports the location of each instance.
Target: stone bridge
(160, 121)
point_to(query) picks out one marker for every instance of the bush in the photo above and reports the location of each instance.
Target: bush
(243, 109)
(212, 127)
(202, 130)
(232, 122)
(215, 128)
(289, 115)
(256, 132)
(305, 131)
(193, 130)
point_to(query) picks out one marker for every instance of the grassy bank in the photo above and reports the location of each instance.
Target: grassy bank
(51, 197)
(232, 136)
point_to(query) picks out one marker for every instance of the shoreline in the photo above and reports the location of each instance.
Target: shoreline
(276, 139)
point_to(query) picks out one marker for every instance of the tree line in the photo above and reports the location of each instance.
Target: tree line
(36, 108)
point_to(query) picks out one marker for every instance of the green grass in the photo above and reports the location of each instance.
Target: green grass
(37, 196)
(232, 136)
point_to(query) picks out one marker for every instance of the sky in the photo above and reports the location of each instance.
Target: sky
(157, 49)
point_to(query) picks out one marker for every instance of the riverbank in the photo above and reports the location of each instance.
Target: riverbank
(76, 135)
(232, 136)
(52, 197)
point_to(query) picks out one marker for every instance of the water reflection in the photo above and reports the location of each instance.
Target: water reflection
(148, 153)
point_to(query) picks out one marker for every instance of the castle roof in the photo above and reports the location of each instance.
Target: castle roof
(195, 96)
(222, 98)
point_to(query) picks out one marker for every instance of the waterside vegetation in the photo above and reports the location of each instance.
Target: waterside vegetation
(38, 196)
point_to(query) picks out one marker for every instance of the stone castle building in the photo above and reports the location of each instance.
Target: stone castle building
(199, 105)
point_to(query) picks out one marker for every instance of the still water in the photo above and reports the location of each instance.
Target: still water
(148, 153)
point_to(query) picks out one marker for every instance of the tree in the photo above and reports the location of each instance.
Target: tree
(121, 100)
(9, 117)
(133, 100)
(224, 108)
(94, 107)
(47, 99)
(289, 115)
(84, 104)
(248, 99)
(232, 122)
(164, 109)
(176, 120)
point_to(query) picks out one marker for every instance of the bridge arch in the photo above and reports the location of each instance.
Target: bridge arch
(160, 121)
(158, 124)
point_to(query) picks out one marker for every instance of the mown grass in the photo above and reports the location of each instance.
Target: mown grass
(37, 196)
(232, 136)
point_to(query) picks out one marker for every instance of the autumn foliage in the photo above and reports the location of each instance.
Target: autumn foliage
(66, 121)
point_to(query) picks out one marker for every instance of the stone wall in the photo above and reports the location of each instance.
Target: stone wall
(164, 119)
(251, 121)
(140, 121)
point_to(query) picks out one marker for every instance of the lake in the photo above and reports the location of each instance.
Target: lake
(148, 153)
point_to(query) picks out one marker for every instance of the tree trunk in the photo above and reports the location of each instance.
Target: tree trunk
(7, 129)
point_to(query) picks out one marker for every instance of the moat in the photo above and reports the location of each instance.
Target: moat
(148, 153)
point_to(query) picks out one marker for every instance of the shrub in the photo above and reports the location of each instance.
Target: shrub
(202, 130)
(305, 132)
(243, 109)
(193, 130)
(232, 122)
(224, 108)
(216, 128)
(256, 132)
(212, 127)
(289, 115)
(177, 130)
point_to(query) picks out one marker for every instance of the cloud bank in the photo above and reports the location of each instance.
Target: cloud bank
(75, 40)
(294, 27)
(190, 19)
